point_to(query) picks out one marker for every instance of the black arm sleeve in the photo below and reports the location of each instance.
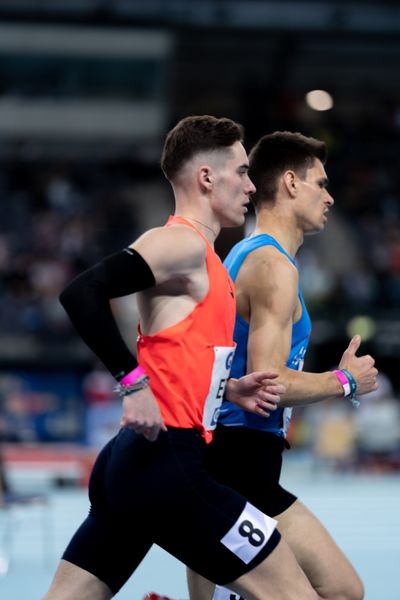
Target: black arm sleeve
(87, 302)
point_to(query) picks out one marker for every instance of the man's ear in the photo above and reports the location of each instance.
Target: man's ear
(205, 178)
(290, 182)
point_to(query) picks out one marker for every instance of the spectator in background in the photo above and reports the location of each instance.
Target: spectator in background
(333, 436)
(377, 428)
(103, 408)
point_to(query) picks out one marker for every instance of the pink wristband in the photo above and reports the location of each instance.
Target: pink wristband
(133, 376)
(344, 381)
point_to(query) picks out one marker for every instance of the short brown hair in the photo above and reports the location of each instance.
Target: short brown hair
(197, 134)
(277, 152)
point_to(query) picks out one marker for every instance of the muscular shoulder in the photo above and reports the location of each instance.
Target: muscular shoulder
(268, 279)
(171, 251)
(269, 269)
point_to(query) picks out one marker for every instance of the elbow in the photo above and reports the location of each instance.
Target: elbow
(70, 297)
(66, 300)
(63, 297)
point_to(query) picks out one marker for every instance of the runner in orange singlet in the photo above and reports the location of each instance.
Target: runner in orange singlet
(201, 345)
(149, 484)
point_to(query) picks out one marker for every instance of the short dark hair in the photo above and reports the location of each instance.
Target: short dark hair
(277, 152)
(197, 134)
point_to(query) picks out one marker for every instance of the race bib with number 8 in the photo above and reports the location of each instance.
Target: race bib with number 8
(249, 534)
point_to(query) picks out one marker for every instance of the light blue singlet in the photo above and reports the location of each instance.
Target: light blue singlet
(232, 415)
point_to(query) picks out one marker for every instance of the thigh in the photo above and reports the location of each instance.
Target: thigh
(220, 543)
(112, 541)
(161, 492)
(107, 548)
(325, 565)
(208, 526)
(279, 577)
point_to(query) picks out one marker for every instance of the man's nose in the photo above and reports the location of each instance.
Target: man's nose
(330, 200)
(251, 187)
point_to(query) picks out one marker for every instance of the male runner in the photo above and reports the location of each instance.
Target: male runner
(149, 484)
(273, 328)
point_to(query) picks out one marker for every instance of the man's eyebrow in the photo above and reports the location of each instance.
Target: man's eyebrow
(244, 167)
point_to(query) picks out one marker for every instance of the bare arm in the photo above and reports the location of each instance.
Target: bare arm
(272, 284)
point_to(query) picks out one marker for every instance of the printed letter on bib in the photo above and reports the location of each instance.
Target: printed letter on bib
(223, 357)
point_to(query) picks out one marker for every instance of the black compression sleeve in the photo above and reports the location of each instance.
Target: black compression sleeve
(87, 302)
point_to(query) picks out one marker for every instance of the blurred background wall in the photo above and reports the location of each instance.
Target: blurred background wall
(88, 89)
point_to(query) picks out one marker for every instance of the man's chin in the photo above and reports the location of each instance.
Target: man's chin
(238, 222)
(315, 230)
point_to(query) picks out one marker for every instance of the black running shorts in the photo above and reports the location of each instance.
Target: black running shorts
(159, 492)
(250, 461)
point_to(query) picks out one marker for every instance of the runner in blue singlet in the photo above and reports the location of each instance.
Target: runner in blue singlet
(278, 421)
(272, 331)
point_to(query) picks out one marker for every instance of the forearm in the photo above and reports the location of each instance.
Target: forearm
(92, 318)
(307, 388)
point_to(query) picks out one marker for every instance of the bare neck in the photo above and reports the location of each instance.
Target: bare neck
(281, 226)
(199, 214)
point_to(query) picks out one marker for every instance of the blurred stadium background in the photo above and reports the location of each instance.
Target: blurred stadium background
(88, 89)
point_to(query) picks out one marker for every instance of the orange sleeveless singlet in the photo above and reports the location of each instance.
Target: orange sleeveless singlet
(189, 362)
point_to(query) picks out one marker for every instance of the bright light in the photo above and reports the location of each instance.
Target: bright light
(319, 100)
(363, 325)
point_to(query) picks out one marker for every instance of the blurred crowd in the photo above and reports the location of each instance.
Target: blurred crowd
(360, 259)
(57, 219)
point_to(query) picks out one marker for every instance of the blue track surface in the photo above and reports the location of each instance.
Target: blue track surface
(362, 512)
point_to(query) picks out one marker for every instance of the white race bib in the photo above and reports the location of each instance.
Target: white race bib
(223, 358)
(249, 534)
(287, 417)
